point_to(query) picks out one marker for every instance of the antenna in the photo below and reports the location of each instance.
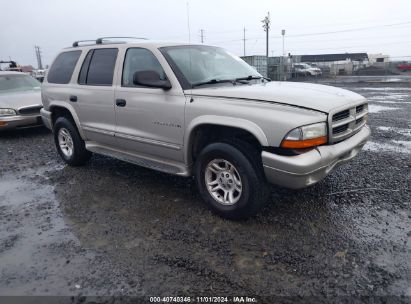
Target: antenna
(188, 23)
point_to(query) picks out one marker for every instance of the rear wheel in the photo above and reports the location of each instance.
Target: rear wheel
(230, 180)
(69, 143)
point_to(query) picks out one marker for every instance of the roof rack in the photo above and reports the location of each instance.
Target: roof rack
(101, 40)
(76, 43)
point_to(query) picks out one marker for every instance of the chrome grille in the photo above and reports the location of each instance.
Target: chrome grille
(345, 123)
(340, 129)
(359, 109)
(341, 115)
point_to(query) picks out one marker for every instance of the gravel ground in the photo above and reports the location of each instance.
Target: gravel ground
(113, 228)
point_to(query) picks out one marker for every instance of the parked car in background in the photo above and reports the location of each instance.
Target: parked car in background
(306, 69)
(39, 74)
(299, 70)
(20, 101)
(403, 67)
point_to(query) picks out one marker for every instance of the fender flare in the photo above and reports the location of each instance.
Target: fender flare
(225, 121)
(68, 107)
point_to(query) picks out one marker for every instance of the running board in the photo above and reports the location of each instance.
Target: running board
(170, 167)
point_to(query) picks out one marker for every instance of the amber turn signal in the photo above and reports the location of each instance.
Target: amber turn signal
(301, 144)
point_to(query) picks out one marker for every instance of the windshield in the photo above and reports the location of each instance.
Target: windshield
(12, 83)
(207, 63)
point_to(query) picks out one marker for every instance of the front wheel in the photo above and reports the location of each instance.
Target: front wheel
(230, 180)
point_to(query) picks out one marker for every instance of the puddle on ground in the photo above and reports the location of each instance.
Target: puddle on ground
(391, 102)
(391, 97)
(34, 239)
(377, 109)
(405, 132)
(396, 146)
(383, 89)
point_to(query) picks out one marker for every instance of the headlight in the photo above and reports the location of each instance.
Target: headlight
(306, 136)
(7, 112)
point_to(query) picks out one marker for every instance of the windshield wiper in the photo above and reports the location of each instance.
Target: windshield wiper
(248, 78)
(212, 81)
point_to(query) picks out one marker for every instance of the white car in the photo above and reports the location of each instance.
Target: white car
(306, 69)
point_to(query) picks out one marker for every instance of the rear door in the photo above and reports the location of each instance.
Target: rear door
(94, 95)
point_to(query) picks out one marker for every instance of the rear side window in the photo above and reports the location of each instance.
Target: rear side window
(98, 67)
(63, 67)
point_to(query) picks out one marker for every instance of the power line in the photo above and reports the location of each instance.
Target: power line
(358, 46)
(325, 33)
(350, 30)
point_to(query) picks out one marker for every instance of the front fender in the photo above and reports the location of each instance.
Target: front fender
(226, 121)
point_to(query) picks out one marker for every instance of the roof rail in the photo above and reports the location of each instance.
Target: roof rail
(76, 43)
(101, 40)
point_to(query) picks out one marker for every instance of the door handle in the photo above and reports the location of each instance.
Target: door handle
(121, 102)
(73, 98)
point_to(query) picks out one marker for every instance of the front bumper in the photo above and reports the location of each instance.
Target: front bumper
(20, 121)
(309, 168)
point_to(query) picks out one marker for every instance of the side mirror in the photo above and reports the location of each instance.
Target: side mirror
(150, 79)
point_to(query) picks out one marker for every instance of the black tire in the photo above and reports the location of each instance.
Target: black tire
(247, 162)
(80, 155)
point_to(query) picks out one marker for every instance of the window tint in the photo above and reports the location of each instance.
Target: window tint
(101, 69)
(138, 59)
(82, 77)
(63, 67)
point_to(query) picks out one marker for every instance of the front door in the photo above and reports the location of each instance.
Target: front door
(148, 120)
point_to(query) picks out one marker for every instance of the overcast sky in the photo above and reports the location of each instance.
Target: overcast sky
(373, 26)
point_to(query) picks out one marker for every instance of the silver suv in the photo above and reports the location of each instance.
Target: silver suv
(196, 110)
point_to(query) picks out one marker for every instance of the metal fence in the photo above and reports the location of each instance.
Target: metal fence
(293, 69)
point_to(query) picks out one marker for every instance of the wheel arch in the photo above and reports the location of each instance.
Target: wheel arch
(220, 123)
(59, 109)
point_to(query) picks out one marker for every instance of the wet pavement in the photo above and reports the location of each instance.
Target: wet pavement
(113, 228)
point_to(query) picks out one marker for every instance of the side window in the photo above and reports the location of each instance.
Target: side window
(63, 67)
(138, 59)
(101, 68)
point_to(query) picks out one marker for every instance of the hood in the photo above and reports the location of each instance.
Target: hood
(307, 95)
(16, 100)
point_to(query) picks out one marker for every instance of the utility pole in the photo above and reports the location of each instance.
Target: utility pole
(202, 35)
(38, 55)
(244, 40)
(266, 27)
